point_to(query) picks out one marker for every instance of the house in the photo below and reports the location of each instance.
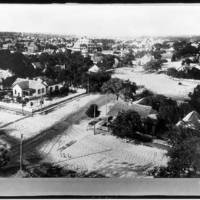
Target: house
(191, 120)
(32, 48)
(94, 69)
(51, 85)
(96, 58)
(59, 67)
(145, 59)
(142, 110)
(84, 43)
(29, 88)
(37, 65)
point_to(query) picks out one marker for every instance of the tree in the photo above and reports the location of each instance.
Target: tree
(4, 155)
(93, 111)
(128, 58)
(172, 72)
(145, 93)
(119, 88)
(126, 124)
(153, 65)
(195, 98)
(107, 62)
(184, 108)
(157, 54)
(96, 80)
(184, 155)
(169, 111)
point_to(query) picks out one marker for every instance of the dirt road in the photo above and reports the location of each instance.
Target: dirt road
(30, 145)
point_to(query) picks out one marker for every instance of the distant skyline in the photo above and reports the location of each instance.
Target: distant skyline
(102, 20)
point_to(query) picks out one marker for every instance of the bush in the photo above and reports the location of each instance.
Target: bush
(195, 98)
(4, 155)
(153, 65)
(172, 72)
(145, 93)
(19, 99)
(193, 73)
(93, 111)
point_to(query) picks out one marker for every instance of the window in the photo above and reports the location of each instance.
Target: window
(39, 91)
(42, 90)
(15, 91)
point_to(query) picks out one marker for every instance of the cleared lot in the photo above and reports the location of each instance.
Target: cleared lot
(106, 154)
(159, 83)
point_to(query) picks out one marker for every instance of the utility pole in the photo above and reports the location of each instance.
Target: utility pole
(21, 152)
(94, 118)
(107, 111)
(88, 84)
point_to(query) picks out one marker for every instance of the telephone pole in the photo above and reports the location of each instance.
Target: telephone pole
(88, 84)
(94, 118)
(21, 152)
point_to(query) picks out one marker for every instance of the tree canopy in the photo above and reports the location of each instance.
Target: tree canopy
(153, 65)
(184, 155)
(93, 111)
(126, 124)
(119, 87)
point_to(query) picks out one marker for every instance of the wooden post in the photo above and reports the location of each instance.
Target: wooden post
(88, 84)
(21, 152)
(94, 118)
(107, 111)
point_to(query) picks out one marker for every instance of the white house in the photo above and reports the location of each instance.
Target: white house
(145, 59)
(94, 69)
(51, 85)
(29, 88)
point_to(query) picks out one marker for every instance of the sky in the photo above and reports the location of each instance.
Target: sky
(115, 20)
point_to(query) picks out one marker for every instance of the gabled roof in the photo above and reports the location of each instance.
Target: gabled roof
(192, 117)
(18, 80)
(94, 69)
(142, 110)
(191, 120)
(37, 65)
(24, 85)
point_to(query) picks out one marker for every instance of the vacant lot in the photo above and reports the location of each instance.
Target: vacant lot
(158, 83)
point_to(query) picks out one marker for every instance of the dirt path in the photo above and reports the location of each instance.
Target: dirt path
(30, 145)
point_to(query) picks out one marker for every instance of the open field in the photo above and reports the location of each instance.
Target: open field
(159, 83)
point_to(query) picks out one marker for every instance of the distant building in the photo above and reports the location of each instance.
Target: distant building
(37, 65)
(7, 46)
(94, 69)
(59, 67)
(84, 43)
(32, 48)
(145, 59)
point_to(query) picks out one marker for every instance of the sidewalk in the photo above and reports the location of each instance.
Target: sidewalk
(28, 110)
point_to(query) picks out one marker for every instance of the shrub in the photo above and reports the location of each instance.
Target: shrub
(172, 72)
(93, 111)
(145, 93)
(153, 65)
